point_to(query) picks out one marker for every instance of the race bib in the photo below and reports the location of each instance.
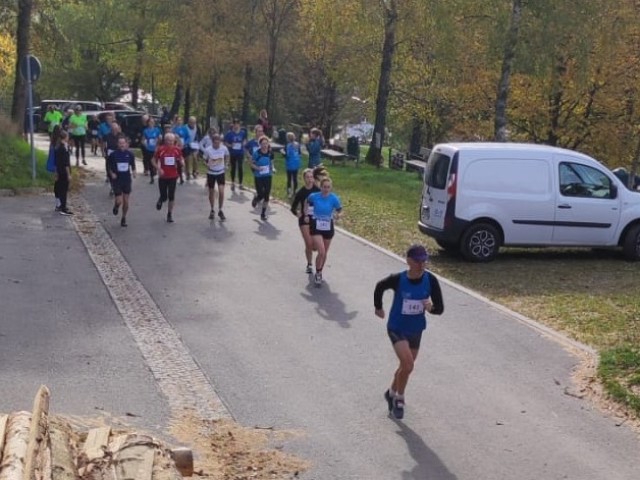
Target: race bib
(194, 146)
(170, 161)
(123, 167)
(215, 161)
(266, 170)
(151, 142)
(323, 225)
(412, 307)
(109, 152)
(94, 132)
(236, 146)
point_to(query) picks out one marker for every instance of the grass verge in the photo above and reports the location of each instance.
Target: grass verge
(15, 165)
(591, 296)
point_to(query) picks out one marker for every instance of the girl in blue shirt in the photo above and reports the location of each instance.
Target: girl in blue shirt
(292, 163)
(262, 166)
(326, 207)
(151, 137)
(314, 147)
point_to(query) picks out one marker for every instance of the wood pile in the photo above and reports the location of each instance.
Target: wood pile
(36, 446)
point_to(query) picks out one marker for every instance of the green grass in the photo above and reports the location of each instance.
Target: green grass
(593, 297)
(15, 165)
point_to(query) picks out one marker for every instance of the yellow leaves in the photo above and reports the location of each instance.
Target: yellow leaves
(7, 60)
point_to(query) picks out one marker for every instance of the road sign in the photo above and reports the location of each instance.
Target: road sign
(31, 68)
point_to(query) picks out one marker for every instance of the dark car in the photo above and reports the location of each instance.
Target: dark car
(623, 174)
(132, 126)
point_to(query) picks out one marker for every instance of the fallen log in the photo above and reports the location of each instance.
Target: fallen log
(63, 466)
(15, 446)
(37, 465)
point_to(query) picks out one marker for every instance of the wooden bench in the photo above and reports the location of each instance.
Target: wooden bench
(335, 156)
(415, 165)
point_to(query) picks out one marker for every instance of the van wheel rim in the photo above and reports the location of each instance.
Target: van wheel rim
(482, 244)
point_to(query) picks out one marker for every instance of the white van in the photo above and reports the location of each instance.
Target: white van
(480, 196)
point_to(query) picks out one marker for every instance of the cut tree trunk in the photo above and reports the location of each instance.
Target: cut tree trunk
(15, 447)
(36, 460)
(63, 466)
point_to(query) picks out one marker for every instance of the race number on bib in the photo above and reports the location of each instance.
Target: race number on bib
(265, 170)
(123, 167)
(151, 142)
(94, 132)
(170, 161)
(412, 307)
(236, 146)
(323, 225)
(194, 146)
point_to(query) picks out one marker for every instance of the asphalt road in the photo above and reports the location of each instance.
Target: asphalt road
(486, 400)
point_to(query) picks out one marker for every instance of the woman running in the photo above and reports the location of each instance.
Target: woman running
(165, 161)
(326, 207)
(303, 211)
(262, 166)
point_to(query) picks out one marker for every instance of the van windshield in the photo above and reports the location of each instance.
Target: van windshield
(438, 170)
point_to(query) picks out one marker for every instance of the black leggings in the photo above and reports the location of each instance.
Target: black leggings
(292, 178)
(60, 190)
(146, 161)
(263, 188)
(79, 141)
(236, 163)
(167, 188)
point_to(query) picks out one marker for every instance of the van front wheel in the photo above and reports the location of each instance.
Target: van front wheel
(631, 246)
(480, 243)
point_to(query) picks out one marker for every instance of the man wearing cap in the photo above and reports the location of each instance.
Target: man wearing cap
(416, 291)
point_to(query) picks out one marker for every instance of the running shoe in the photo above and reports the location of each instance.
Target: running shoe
(111, 192)
(151, 181)
(398, 408)
(159, 204)
(309, 269)
(115, 209)
(318, 278)
(389, 399)
(254, 201)
(65, 212)
(242, 187)
(181, 180)
(221, 216)
(233, 187)
(211, 215)
(169, 218)
(84, 162)
(123, 223)
(263, 217)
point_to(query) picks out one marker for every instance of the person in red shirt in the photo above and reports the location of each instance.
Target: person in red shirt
(165, 161)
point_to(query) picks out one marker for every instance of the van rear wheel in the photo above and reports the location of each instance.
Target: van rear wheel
(631, 246)
(480, 243)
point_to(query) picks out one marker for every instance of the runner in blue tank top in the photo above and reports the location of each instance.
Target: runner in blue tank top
(416, 291)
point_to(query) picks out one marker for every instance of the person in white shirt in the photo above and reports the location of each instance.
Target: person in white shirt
(217, 159)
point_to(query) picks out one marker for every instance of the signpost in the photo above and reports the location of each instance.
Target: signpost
(30, 70)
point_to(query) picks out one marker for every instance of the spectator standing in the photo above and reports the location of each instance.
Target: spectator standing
(292, 163)
(263, 120)
(316, 142)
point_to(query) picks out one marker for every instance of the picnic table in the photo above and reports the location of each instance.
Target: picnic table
(337, 156)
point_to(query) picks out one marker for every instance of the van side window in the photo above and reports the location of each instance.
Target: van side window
(438, 171)
(578, 180)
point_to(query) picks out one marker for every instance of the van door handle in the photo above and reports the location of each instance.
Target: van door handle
(564, 205)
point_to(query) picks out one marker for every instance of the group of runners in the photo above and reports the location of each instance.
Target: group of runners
(175, 151)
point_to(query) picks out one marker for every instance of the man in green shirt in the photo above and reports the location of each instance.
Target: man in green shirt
(78, 129)
(52, 118)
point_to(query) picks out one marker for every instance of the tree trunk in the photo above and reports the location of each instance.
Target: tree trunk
(187, 103)
(212, 95)
(271, 72)
(416, 136)
(500, 122)
(135, 85)
(555, 100)
(246, 93)
(374, 155)
(177, 98)
(15, 448)
(23, 40)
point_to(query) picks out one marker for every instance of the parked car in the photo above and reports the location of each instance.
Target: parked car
(478, 197)
(118, 106)
(87, 105)
(132, 127)
(44, 105)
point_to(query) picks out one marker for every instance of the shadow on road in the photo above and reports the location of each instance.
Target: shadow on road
(329, 307)
(267, 230)
(428, 464)
(238, 197)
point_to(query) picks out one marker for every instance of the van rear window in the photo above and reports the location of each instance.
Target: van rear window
(438, 170)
